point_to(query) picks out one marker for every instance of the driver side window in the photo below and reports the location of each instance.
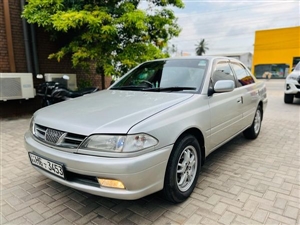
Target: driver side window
(222, 71)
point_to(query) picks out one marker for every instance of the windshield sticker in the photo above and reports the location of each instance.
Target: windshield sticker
(202, 63)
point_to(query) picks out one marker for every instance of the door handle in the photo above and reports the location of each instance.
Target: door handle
(240, 100)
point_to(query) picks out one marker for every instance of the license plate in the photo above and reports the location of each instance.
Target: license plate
(52, 167)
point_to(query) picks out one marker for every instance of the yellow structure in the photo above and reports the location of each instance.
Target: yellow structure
(276, 51)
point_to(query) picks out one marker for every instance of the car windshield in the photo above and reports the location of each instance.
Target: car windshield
(297, 67)
(166, 75)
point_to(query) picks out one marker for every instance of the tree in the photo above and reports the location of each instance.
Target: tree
(113, 35)
(170, 49)
(201, 47)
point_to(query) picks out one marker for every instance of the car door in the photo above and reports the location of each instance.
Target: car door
(247, 88)
(225, 108)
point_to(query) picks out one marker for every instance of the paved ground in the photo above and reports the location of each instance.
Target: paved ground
(244, 182)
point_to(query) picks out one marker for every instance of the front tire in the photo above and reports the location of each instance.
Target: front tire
(253, 131)
(183, 169)
(288, 98)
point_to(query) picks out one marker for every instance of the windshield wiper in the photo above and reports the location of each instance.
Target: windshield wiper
(128, 88)
(169, 89)
(158, 89)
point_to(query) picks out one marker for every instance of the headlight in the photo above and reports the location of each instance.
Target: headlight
(119, 143)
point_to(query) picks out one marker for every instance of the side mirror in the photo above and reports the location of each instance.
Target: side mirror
(224, 86)
(66, 77)
(39, 76)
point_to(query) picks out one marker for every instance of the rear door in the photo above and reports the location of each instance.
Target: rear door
(248, 90)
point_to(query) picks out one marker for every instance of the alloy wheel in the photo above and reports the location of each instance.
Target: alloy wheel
(187, 168)
(257, 121)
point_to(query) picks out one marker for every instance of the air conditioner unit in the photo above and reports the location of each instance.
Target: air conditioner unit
(16, 86)
(70, 84)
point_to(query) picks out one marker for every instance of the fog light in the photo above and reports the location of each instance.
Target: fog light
(111, 183)
(288, 87)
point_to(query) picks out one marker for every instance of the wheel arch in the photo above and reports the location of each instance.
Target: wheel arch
(200, 138)
(262, 109)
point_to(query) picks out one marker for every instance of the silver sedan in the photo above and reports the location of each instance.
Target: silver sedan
(150, 131)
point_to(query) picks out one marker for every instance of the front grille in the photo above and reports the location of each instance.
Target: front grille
(53, 135)
(58, 137)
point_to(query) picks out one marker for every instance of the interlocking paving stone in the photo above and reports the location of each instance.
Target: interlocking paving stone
(73, 205)
(245, 220)
(280, 203)
(270, 195)
(58, 202)
(272, 222)
(54, 211)
(282, 219)
(86, 218)
(231, 202)
(138, 209)
(52, 220)
(40, 207)
(189, 210)
(164, 220)
(243, 182)
(175, 217)
(260, 215)
(208, 213)
(19, 220)
(69, 215)
(220, 208)
(239, 211)
(63, 222)
(6, 209)
(87, 209)
(291, 212)
(137, 219)
(270, 208)
(122, 215)
(34, 217)
(194, 219)
(214, 199)
(227, 218)
(18, 214)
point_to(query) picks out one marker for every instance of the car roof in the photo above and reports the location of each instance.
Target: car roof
(197, 57)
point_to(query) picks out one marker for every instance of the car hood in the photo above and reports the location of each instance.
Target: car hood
(108, 111)
(295, 73)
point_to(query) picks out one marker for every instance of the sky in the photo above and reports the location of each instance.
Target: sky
(229, 26)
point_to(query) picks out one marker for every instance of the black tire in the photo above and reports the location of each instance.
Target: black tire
(253, 131)
(185, 148)
(288, 98)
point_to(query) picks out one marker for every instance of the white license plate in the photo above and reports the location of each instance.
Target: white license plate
(52, 167)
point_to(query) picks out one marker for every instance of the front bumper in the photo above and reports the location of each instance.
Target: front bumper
(141, 175)
(292, 87)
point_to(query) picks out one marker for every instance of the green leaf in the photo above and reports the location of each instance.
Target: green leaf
(115, 35)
